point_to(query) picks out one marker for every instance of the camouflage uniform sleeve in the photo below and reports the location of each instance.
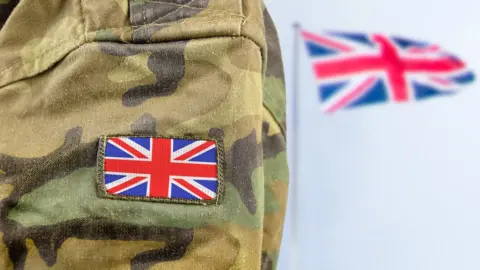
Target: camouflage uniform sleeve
(72, 71)
(274, 148)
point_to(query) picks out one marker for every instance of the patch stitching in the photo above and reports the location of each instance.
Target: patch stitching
(102, 192)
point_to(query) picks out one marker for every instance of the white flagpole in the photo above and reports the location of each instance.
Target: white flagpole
(295, 147)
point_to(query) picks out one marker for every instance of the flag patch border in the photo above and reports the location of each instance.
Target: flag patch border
(100, 175)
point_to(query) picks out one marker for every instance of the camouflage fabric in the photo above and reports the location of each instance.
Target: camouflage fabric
(73, 70)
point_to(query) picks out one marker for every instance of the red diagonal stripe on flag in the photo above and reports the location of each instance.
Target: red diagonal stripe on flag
(353, 94)
(193, 189)
(195, 151)
(330, 43)
(127, 147)
(429, 49)
(126, 184)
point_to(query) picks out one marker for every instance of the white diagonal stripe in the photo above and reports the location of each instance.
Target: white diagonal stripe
(137, 146)
(122, 180)
(186, 149)
(137, 184)
(185, 189)
(197, 154)
(203, 189)
(345, 91)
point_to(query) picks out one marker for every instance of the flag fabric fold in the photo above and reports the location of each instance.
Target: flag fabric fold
(356, 69)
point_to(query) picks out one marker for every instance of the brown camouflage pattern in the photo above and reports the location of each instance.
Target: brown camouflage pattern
(73, 70)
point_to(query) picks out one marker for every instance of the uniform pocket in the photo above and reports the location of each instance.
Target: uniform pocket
(52, 211)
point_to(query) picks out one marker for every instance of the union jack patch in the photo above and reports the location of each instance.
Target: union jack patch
(176, 170)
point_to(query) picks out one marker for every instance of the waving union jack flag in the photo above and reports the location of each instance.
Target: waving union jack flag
(175, 169)
(355, 69)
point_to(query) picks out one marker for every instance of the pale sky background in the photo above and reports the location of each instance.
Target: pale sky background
(389, 187)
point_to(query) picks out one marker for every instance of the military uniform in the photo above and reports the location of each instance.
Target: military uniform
(72, 71)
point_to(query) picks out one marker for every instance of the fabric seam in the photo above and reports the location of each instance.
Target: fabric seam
(83, 39)
(57, 50)
(282, 128)
(82, 20)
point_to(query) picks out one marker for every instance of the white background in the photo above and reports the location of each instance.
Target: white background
(389, 187)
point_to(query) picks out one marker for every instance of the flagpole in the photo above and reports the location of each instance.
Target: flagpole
(295, 147)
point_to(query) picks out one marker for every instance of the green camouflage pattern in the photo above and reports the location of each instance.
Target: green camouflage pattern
(73, 70)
